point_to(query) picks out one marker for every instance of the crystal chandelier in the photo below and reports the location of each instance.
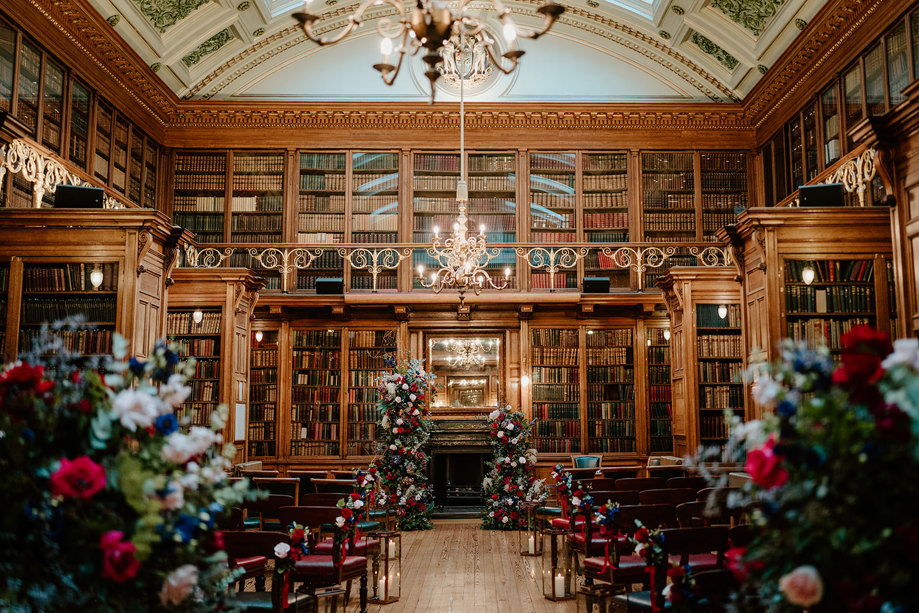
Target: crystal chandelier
(431, 24)
(469, 353)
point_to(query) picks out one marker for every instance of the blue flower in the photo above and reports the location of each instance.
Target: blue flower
(167, 424)
(186, 525)
(786, 409)
(136, 367)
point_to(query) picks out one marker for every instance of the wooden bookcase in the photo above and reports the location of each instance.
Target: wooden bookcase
(605, 203)
(706, 352)
(668, 196)
(257, 201)
(322, 211)
(315, 413)
(553, 209)
(199, 196)
(374, 209)
(48, 274)
(262, 423)
(610, 369)
(724, 190)
(660, 398)
(368, 351)
(850, 252)
(556, 389)
(220, 342)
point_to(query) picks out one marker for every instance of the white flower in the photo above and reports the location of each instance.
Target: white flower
(500, 434)
(340, 521)
(766, 392)
(522, 460)
(179, 448)
(281, 550)
(575, 501)
(514, 441)
(398, 399)
(666, 591)
(416, 412)
(491, 514)
(399, 421)
(178, 584)
(510, 426)
(392, 447)
(405, 386)
(504, 519)
(385, 421)
(493, 415)
(412, 397)
(358, 503)
(175, 391)
(905, 351)
(513, 464)
(135, 409)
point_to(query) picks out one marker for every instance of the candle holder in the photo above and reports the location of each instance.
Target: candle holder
(385, 570)
(596, 598)
(556, 566)
(530, 538)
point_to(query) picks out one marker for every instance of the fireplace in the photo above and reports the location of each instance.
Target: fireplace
(459, 449)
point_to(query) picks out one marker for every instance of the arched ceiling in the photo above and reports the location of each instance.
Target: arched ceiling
(599, 51)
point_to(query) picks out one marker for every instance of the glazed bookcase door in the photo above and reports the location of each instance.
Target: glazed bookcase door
(553, 209)
(202, 341)
(200, 194)
(262, 429)
(321, 206)
(556, 389)
(719, 354)
(368, 351)
(668, 197)
(4, 308)
(660, 392)
(434, 178)
(315, 413)
(605, 189)
(374, 210)
(611, 390)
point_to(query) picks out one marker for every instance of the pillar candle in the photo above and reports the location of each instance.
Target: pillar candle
(381, 588)
(392, 550)
(531, 545)
(559, 586)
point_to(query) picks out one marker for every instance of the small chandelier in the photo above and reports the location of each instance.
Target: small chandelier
(431, 24)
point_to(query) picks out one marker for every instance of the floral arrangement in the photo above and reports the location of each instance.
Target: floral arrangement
(605, 518)
(833, 484)
(681, 591)
(405, 424)
(511, 475)
(109, 504)
(562, 479)
(538, 492)
(286, 555)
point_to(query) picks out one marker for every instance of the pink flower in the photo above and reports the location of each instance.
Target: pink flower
(765, 466)
(178, 584)
(80, 478)
(118, 561)
(802, 586)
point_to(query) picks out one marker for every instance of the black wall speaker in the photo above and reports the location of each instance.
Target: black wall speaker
(330, 285)
(78, 197)
(826, 194)
(596, 285)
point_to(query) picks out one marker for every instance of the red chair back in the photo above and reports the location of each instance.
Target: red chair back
(666, 496)
(333, 486)
(684, 542)
(601, 497)
(651, 516)
(640, 483)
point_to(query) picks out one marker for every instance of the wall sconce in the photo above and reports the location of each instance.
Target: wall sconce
(649, 342)
(197, 316)
(96, 277)
(807, 275)
(722, 311)
(666, 334)
(525, 380)
(259, 336)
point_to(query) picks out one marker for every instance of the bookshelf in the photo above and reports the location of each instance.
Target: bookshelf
(257, 200)
(724, 190)
(52, 292)
(610, 390)
(122, 131)
(200, 194)
(553, 209)
(720, 356)
(203, 342)
(315, 414)
(52, 106)
(321, 205)
(493, 203)
(668, 197)
(103, 151)
(136, 168)
(80, 100)
(556, 390)
(262, 434)
(374, 209)
(7, 65)
(151, 163)
(605, 200)
(434, 178)
(4, 307)
(368, 351)
(660, 394)
(29, 80)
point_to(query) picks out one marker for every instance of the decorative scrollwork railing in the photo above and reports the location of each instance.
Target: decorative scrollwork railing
(712, 255)
(856, 174)
(639, 259)
(374, 261)
(285, 260)
(551, 259)
(206, 257)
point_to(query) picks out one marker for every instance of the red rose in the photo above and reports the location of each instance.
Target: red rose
(765, 466)
(355, 496)
(216, 543)
(863, 350)
(641, 535)
(675, 572)
(118, 561)
(19, 388)
(346, 512)
(81, 478)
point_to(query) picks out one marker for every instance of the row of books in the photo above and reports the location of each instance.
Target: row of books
(183, 322)
(206, 369)
(543, 280)
(713, 427)
(492, 163)
(197, 347)
(555, 356)
(720, 396)
(563, 200)
(651, 183)
(365, 448)
(362, 432)
(385, 280)
(375, 161)
(320, 222)
(553, 161)
(610, 392)
(604, 161)
(63, 277)
(445, 222)
(719, 346)
(605, 182)
(606, 220)
(263, 237)
(554, 337)
(314, 431)
(610, 374)
(256, 223)
(611, 445)
(325, 161)
(661, 408)
(666, 161)
(316, 238)
(660, 427)
(375, 340)
(203, 204)
(363, 412)
(315, 394)
(658, 354)
(611, 427)
(258, 162)
(309, 203)
(373, 360)
(726, 372)
(831, 271)
(261, 430)
(549, 238)
(606, 200)
(556, 411)
(261, 448)
(258, 183)
(375, 223)
(204, 391)
(85, 342)
(736, 162)
(437, 161)
(724, 201)
(546, 374)
(305, 448)
(824, 332)
(315, 413)
(554, 445)
(201, 163)
(556, 392)
(607, 237)
(708, 316)
(474, 206)
(262, 358)
(200, 182)
(200, 222)
(265, 203)
(324, 182)
(659, 375)
(833, 299)
(317, 376)
(557, 429)
(267, 394)
(374, 237)
(195, 414)
(317, 338)
(727, 181)
(363, 394)
(611, 410)
(621, 337)
(375, 183)
(100, 310)
(609, 356)
(712, 222)
(363, 378)
(681, 222)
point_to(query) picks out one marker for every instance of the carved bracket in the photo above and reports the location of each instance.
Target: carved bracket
(144, 242)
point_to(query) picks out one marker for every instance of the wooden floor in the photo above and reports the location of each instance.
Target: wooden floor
(460, 568)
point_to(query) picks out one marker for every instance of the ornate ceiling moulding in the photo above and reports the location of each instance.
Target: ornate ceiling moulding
(192, 116)
(828, 33)
(95, 38)
(576, 17)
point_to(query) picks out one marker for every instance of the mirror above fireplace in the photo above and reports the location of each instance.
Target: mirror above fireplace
(468, 368)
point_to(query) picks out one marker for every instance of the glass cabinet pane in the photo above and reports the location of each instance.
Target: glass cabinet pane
(7, 65)
(811, 146)
(53, 106)
(914, 36)
(321, 211)
(29, 75)
(829, 109)
(897, 64)
(79, 124)
(552, 202)
(104, 117)
(200, 191)
(375, 197)
(796, 150)
(605, 188)
(852, 85)
(874, 81)
(668, 197)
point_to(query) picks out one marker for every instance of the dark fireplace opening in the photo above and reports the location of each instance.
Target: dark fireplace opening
(457, 478)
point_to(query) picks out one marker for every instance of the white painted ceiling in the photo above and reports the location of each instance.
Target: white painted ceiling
(599, 51)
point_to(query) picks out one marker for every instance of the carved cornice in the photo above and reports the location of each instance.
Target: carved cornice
(807, 55)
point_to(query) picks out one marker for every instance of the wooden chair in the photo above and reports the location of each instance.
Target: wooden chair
(343, 474)
(362, 546)
(259, 473)
(621, 472)
(701, 547)
(317, 571)
(695, 483)
(704, 513)
(671, 496)
(640, 483)
(285, 486)
(266, 510)
(333, 486)
(251, 550)
(602, 497)
(306, 477)
(666, 472)
(598, 483)
(331, 500)
(586, 461)
(714, 590)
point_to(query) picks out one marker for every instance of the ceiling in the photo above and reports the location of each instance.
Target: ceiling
(599, 51)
